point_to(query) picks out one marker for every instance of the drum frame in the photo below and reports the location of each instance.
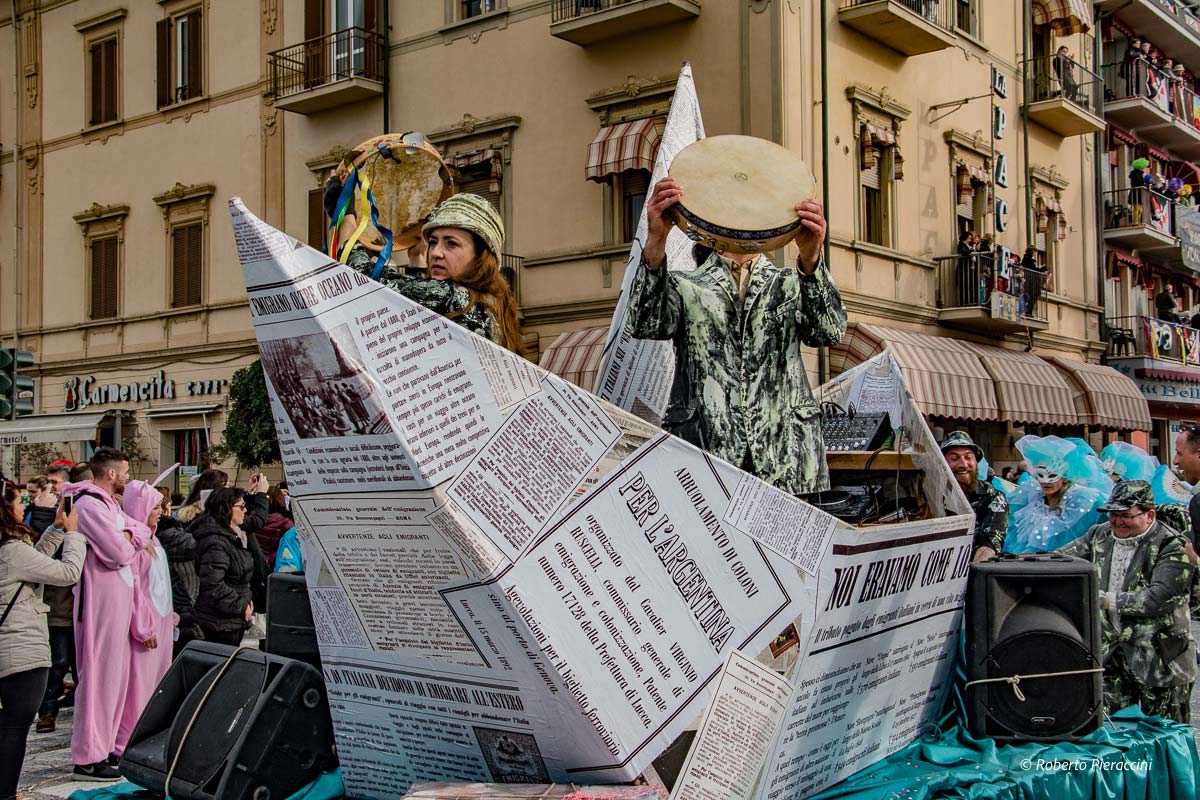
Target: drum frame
(728, 240)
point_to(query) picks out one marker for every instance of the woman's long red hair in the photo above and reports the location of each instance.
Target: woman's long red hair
(487, 285)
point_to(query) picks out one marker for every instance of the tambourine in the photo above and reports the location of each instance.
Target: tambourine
(740, 193)
(407, 178)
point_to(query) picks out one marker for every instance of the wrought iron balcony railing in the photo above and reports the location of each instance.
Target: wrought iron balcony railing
(337, 56)
(969, 281)
(1059, 76)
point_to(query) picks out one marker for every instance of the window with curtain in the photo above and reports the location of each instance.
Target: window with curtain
(179, 56)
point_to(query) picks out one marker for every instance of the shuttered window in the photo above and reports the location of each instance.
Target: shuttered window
(103, 96)
(317, 221)
(186, 264)
(104, 265)
(478, 179)
(634, 185)
(876, 185)
(179, 46)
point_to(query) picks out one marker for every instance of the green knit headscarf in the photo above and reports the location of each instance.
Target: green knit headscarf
(469, 212)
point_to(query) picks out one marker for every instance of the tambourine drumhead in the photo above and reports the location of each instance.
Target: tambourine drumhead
(406, 186)
(740, 192)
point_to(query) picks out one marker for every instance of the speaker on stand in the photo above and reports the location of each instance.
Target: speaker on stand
(259, 727)
(1030, 615)
(290, 629)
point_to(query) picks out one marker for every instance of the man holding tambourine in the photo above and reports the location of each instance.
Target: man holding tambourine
(737, 321)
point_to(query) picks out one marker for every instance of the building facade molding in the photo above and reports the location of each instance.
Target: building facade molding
(100, 20)
(98, 213)
(183, 194)
(864, 99)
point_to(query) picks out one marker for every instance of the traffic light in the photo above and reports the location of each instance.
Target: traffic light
(16, 390)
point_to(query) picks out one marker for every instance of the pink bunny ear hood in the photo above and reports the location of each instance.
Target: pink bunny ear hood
(139, 499)
(73, 488)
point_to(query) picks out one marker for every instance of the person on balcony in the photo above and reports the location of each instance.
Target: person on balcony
(967, 271)
(1131, 66)
(1137, 183)
(1166, 304)
(1064, 70)
(1033, 277)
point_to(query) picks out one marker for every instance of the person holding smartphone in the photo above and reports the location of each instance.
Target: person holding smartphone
(25, 567)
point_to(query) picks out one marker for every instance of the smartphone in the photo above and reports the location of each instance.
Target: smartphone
(66, 504)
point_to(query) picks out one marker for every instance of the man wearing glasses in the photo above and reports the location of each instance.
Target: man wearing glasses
(1145, 575)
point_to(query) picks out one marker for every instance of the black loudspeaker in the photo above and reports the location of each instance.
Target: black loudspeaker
(1027, 615)
(290, 629)
(263, 733)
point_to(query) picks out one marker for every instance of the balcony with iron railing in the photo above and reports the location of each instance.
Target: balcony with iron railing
(1139, 219)
(510, 269)
(973, 293)
(1161, 108)
(1173, 27)
(1063, 95)
(911, 27)
(1152, 347)
(585, 22)
(336, 69)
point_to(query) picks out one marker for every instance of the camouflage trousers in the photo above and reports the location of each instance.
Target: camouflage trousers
(1122, 689)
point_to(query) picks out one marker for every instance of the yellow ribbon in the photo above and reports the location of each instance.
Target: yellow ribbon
(364, 216)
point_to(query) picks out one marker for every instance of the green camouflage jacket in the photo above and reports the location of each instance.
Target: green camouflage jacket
(444, 297)
(740, 390)
(991, 516)
(1150, 623)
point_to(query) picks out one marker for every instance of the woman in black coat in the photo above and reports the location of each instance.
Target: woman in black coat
(225, 566)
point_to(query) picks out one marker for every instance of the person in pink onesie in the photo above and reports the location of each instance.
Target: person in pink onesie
(103, 615)
(154, 621)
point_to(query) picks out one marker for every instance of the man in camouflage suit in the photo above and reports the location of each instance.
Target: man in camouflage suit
(989, 503)
(737, 323)
(1149, 656)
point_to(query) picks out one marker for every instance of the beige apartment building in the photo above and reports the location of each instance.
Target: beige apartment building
(125, 127)
(920, 118)
(939, 117)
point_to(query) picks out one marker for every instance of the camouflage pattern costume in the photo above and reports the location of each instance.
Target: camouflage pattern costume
(740, 390)
(444, 297)
(1177, 517)
(1149, 656)
(991, 516)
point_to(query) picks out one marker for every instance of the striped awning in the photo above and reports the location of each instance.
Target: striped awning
(945, 377)
(575, 356)
(626, 145)
(473, 157)
(1104, 396)
(1028, 389)
(964, 380)
(1064, 16)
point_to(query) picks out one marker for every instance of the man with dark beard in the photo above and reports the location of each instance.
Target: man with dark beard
(989, 505)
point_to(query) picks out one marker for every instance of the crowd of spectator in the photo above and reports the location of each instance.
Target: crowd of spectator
(102, 584)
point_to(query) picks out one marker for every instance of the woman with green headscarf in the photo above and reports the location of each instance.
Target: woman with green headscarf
(464, 236)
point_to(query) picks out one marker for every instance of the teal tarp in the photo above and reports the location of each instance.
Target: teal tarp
(326, 787)
(1136, 757)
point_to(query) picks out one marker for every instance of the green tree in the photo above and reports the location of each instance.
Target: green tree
(249, 427)
(32, 459)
